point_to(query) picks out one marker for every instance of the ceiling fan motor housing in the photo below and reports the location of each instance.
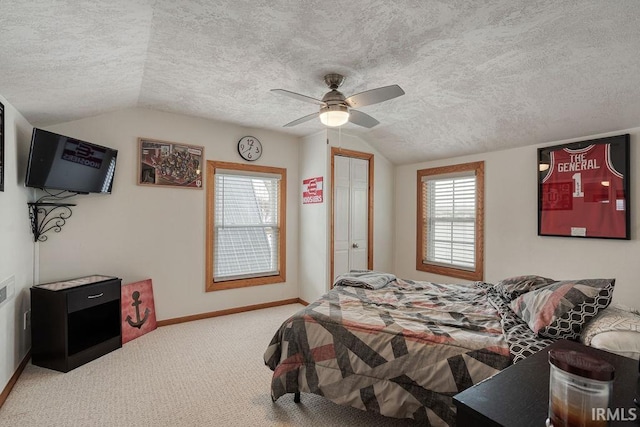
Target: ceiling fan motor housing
(334, 107)
(334, 97)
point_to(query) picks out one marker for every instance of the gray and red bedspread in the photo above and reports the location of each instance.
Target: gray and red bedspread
(402, 350)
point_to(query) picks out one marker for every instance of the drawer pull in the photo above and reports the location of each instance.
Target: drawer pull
(96, 296)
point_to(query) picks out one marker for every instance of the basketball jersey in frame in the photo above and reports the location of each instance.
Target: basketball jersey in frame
(583, 194)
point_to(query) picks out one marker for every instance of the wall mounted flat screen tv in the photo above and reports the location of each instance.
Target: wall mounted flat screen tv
(59, 162)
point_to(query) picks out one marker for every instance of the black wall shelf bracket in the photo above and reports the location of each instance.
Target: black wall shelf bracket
(46, 217)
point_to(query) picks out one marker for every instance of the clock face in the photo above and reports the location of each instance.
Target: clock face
(249, 148)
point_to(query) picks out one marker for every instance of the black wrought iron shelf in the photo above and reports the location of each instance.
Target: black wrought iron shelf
(47, 216)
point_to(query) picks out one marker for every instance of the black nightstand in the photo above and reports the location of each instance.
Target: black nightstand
(519, 395)
(75, 321)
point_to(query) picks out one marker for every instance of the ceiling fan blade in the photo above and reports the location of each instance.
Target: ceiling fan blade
(298, 96)
(374, 96)
(302, 119)
(361, 119)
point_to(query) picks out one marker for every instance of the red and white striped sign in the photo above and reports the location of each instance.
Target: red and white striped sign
(312, 190)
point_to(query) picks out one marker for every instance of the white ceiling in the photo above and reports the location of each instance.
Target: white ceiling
(478, 75)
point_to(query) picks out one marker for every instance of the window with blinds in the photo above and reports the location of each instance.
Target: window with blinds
(450, 206)
(245, 220)
(450, 233)
(246, 226)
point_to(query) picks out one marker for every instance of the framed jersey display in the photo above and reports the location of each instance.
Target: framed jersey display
(583, 189)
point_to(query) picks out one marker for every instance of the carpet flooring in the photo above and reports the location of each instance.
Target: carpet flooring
(204, 373)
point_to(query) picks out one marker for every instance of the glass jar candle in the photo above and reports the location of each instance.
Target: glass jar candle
(579, 389)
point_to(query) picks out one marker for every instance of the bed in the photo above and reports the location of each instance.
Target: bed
(402, 348)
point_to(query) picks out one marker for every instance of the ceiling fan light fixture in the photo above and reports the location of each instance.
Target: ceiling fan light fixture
(334, 115)
(336, 109)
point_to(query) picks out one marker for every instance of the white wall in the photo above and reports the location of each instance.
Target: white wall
(313, 235)
(142, 232)
(16, 244)
(512, 246)
(315, 219)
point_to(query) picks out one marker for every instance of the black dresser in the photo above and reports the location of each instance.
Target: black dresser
(75, 321)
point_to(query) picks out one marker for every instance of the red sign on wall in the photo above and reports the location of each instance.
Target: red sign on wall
(312, 190)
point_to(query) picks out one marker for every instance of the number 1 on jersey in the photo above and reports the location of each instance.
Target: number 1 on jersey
(577, 185)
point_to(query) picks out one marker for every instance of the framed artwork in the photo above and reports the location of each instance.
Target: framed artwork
(138, 310)
(1, 147)
(583, 189)
(169, 164)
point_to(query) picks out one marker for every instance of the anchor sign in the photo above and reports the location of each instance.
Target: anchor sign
(136, 303)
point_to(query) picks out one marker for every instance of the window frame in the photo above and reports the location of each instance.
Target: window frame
(212, 166)
(422, 228)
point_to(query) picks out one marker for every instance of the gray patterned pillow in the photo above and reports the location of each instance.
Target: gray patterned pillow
(512, 287)
(561, 309)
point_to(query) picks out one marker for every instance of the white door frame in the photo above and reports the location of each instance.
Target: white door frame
(335, 151)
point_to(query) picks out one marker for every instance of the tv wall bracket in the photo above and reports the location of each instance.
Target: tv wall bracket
(47, 216)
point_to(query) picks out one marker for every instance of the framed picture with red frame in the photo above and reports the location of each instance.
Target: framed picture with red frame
(583, 189)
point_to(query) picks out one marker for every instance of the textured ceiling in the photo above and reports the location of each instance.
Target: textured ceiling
(478, 75)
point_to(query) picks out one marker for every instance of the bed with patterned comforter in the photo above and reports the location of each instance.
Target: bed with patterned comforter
(402, 349)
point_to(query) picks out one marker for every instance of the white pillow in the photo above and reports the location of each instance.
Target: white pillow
(615, 329)
(624, 343)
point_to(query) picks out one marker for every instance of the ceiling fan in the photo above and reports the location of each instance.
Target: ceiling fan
(336, 110)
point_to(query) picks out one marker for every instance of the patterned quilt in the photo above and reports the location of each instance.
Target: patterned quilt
(403, 350)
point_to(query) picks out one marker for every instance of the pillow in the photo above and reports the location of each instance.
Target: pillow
(561, 309)
(615, 329)
(512, 287)
(623, 343)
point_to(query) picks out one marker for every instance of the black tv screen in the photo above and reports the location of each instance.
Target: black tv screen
(60, 162)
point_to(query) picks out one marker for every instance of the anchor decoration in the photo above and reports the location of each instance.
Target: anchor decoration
(138, 310)
(136, 303)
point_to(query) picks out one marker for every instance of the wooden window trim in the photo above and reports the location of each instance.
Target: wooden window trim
(282, 214)
(478, 273)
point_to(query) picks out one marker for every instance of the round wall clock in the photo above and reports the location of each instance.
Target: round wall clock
(249, 148)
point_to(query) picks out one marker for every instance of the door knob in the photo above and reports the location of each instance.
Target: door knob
(355, 245)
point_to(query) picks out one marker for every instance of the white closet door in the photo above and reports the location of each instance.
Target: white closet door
(341, 196)
(351, 211)
(359, 211)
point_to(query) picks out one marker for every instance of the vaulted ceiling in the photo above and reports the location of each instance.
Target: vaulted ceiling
(478, 75)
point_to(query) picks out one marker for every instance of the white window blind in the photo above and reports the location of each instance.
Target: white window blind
(246, 226)
(450, 207)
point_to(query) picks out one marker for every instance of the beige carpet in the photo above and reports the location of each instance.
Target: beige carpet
(204, 373)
